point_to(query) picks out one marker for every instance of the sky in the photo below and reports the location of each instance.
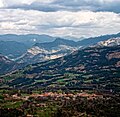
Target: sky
(75, 18)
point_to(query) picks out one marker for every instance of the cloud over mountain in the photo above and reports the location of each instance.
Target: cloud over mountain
(60, 17)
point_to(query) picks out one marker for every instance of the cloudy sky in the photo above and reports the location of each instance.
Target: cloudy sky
(78, 18)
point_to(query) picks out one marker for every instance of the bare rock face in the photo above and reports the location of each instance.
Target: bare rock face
(114, 55)
(110, 42)
(47, 51)
(118, 64)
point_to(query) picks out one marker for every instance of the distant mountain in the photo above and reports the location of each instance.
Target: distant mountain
(95, 68)
(94, 40)
(12, 49)
(74, 38)
(49, 50)
(41, 52)
(58, 48)
(57, 42)
(29, 39)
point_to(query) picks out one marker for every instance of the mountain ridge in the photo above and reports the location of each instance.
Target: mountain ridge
(50, 50)
(29, 39)
(13, 49)
(90, 68)
(7, 65)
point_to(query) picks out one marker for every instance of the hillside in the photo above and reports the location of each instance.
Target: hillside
(7, 65)
(110, 42)
(22, 47)
(94, 40)
(47, 51)
(12, 49)
(61, 47)
(41, 52)
(90, 68)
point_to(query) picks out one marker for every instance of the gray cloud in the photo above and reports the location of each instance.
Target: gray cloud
(70, 5)
(94, 5)
(36, 6)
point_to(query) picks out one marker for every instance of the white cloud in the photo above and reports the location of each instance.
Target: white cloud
(60, 17)
(1, 3)
(60, 23)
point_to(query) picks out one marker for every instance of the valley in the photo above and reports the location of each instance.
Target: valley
(94, 68)
(59, 58)
(62, 79)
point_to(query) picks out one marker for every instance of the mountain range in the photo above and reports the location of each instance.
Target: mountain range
(49, 50)
(58, 48)
(96, 67)
(28, 39)
(22, 55)
(94, 40)
(19, 47)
